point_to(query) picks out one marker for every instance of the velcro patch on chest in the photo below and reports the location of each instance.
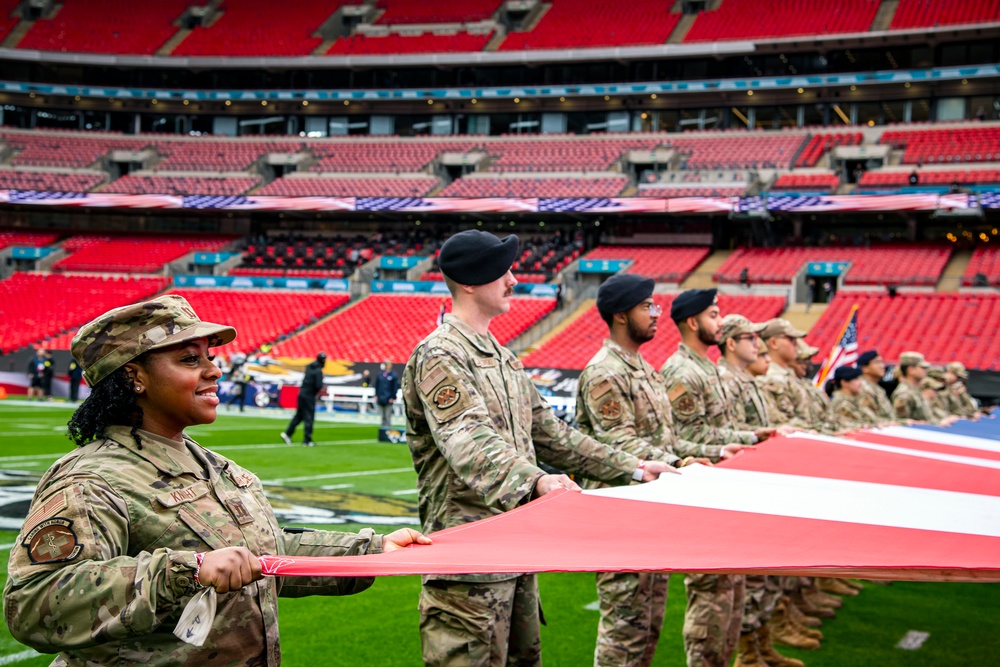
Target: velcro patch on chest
(434, 377)
(52, 541)
(187, 494)
(601, 388)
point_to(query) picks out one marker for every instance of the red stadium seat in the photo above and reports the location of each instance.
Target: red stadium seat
(663, 264)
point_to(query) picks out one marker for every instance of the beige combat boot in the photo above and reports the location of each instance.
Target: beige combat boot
(800, 617)
(770, 655)
(784, 631)
(836, 587)
(747, 654)
(821, 599)
(809, 608)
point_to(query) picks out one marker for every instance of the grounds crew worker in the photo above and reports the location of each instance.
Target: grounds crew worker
(475, 425)
(126, 529)
(703, 413)
(622, 401)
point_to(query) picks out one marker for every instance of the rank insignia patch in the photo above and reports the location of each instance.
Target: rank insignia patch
(446, 396)
(52, 541)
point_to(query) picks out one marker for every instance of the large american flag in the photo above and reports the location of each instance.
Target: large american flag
(844, 353)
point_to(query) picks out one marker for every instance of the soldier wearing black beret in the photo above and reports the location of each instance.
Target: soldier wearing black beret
(622, 292)
(473, 257)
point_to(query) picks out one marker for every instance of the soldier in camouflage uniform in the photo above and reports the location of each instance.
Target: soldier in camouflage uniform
(738, 342)
(703, 413)
(475, 425)
(622, 402)
(846, 405)
(873, 398)
(907, 401)
(931, 388)
(123, 531)
(781, 382)
(966, 405)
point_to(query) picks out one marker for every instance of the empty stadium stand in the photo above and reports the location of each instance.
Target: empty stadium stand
(737, 149)
(36, 306)
(690, 191)
(363, 45)
(286, 273)
(107, 26)
(930, 177)
(986, 261)
(609, 186)
(29, 239)
(388, 186)
(261, 316)
(49, 181)
(575, 345)
(596, 23)
(132, 254)
(380, 156)
(662, 263)
(821, 143)
(7, 21)
(825, 182)
(878, 265)
(181, 185)
(64, 149)
(402, 12)
(749, 19)
(218, 155)
(381, 327)
(943, 144)
(931, 13)
(945, 327)
(330, 256)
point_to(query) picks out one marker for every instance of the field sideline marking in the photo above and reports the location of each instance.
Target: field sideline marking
(18, 657)
(333, 475)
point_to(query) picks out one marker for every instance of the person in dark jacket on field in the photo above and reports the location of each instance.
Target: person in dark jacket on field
(386, 386)
(305, 411)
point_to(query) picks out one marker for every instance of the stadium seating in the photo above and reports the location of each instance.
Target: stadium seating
(285, 273)
(381, 327)
(379, 156)
(945, 327)
(610, 186)
(662, 263)
(216, 155)
(880, 265)
(930, 13)
(946, 145)
(927, 177)
(256, 28)
(360, 45)
(132, 254)
(749, 19)
(29, 239)
(64, 149)
(563, 154)
(49, 181)
(827, 182)
(181, 185)
(690, 191)
(737, 149)
(821, 143)
(985, 260)
(332, 257)
(107, 26)
(37, 306)
(597, 23)
(7, 22)
(575, 345)
(261, 316)
(401, 12)
(349, 187)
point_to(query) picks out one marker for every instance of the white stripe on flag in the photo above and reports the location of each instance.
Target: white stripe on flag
(940, 438)
(823, 499)
(919, 453)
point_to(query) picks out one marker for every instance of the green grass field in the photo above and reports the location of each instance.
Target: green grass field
(349, 473)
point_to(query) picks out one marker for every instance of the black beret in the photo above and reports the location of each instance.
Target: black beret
(473, 257)
(692, 302)
(846, 373)
(866, 358)
(621, 292)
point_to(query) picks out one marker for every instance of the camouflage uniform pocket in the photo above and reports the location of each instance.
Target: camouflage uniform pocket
(455, 628)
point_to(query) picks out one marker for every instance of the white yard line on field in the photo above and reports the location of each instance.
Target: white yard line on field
(334, 475)
(18, 657)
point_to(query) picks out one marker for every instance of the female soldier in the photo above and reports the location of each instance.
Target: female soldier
(848, 411)
(123, 531)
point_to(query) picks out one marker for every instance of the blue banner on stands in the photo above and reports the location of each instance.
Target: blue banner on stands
(987, 427)
(212, 258)
(827, 268)
(24, 252)
(399, 263)
(603, 265)
(330, 284)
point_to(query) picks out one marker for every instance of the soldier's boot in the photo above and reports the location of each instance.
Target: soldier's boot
(854, 583)
(821, 599)
(768, 652)
(747, 654)
(809, 608)
(784, 632)
(836, 587)
(800, 617)
(812, 633)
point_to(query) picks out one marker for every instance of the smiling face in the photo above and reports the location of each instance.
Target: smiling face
(177, 387)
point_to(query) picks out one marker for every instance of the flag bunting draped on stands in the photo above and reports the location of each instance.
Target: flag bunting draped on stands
(900, 503)
(844, 353)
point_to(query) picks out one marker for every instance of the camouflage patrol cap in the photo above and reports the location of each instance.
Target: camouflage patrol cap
(120, 335)
(737, 325)
(936, 372)
(958, 368)
(780, 327)
(762, 347)
(931, 383)
(913, 359)
(805, 350)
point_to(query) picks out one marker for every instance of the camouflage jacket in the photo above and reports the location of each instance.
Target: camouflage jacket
(850, 412)
(788, 396)
(702, 408)
(909, 403)
(118, 527)
(749, 409)
(622, 401)
(955, 400)
(818, 406)
(966, 404)
(474, 426)
(876, 401)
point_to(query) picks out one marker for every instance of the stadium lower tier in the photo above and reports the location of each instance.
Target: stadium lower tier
(944, 327)
(132, 254)
(985, 261)
(576, 344)
(662, 263)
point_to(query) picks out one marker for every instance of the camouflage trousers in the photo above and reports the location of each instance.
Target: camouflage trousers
(762, 594)
(632, 608)
(713, 618)
(480, 623)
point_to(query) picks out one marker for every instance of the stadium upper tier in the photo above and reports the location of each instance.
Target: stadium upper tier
(309, 27)
(944, 327)
(132, 254)
(35, 307)
(381, 327)
(883, 265)
(985, 261)
(663, 264)
(575, 345)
